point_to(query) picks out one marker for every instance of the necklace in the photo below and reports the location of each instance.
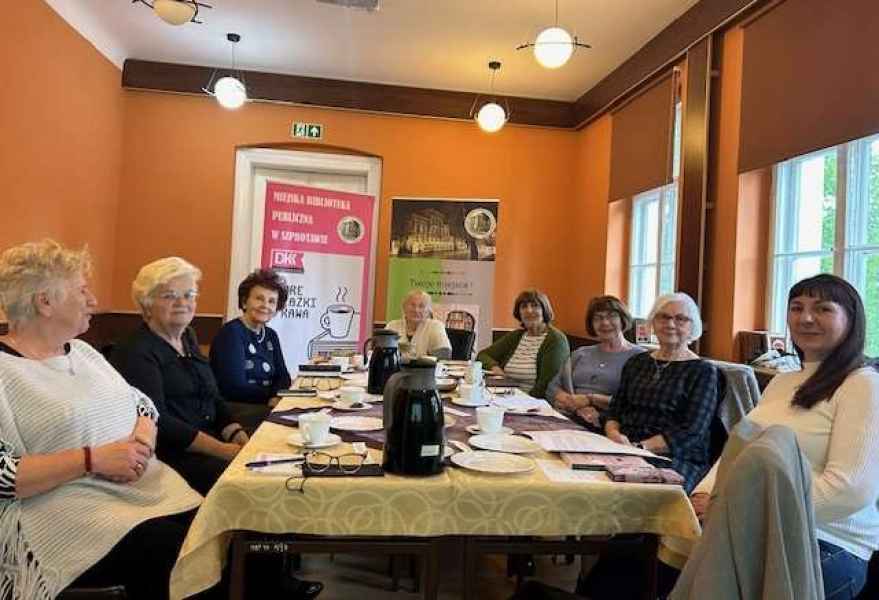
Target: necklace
(259, 332)
(658, 369)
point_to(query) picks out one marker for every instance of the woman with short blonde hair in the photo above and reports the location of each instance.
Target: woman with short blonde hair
(197, 433)
(424, 335)
(76, 445)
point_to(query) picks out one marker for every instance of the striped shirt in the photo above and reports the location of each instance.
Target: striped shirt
(522, 366)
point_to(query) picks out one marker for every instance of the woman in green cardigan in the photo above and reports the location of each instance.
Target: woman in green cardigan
(532, 355)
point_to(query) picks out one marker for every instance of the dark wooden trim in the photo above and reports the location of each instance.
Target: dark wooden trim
(693, 189)
(658, 54)
(352, 95)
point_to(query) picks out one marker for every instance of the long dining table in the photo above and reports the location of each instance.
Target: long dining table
(485, 512)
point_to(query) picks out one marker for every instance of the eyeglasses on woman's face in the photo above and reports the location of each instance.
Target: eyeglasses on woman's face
(679, 319)
(175, 296)
(609, 317)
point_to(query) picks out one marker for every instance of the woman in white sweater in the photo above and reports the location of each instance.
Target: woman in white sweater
(82, 497)
(832, 405)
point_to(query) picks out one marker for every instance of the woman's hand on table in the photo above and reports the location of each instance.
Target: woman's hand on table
(700, 502)
(228, 450)
(240, 438)
(497, 370)
(590, 415)
(123, 461)
(619, 438)
(571, 403)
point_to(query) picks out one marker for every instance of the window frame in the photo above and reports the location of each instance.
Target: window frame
(853, 160)
(662, 196)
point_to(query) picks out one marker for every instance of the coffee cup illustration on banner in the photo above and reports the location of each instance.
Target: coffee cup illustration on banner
(337, 319)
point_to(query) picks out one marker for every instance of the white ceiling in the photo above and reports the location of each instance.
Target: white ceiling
(443, 44)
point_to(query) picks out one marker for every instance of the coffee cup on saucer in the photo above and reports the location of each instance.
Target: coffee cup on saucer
(473, 375)
(314, 428)
(350, 395)
(490, 419)
(471, 394)
(342, 361)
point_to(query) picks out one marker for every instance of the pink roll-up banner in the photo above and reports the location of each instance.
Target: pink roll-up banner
(321, 241)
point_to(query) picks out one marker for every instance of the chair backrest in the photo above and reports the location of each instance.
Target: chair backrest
(462, 341)
(460, 319)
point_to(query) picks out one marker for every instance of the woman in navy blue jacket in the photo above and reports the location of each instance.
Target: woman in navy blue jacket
(246, 355)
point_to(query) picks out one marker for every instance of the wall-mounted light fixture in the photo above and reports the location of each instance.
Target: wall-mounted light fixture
(229, 90)
(491, 116)
(554, 46)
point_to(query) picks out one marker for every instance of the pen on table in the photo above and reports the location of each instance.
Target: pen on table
(277, 461)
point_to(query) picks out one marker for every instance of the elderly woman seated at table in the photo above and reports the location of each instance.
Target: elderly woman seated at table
(424, 335)
(246, 355)
(668, 398)
(533, 354)
(82, 499)
(197, 435)
(587, 380)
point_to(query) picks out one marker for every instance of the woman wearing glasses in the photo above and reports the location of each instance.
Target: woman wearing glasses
(197, 435)
(589, 378)
(667, 398)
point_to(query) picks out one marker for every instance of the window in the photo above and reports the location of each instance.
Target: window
(652, 256)
(826, 220)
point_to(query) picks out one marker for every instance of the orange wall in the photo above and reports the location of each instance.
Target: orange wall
(177, 188)
(61, 124)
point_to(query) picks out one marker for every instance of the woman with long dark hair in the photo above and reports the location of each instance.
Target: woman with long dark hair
(832, 405)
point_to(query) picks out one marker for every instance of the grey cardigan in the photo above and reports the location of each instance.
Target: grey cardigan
(759, 539)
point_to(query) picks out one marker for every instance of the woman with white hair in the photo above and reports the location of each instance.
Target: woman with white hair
(197, 435)
(667, 398)
(425, 335)
(82, 498)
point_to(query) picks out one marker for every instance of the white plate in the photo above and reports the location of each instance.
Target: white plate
(295, 439)
(500, 442)
(356, 424)
(461, 402)
(493, 462)
(475, 430)
(339, 405)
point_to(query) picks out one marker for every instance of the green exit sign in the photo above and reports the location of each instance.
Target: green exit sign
(309, 131)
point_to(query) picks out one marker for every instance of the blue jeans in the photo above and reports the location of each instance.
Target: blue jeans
(844, 573)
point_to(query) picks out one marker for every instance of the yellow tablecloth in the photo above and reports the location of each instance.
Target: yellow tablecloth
(456, 502)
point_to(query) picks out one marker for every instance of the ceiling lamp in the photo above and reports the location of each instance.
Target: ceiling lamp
(554, 46)
(175, 12)
(491, 116)
(229, 90)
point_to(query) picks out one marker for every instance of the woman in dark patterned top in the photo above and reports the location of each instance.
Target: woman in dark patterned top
(246, 354)
(667, 398)
(197, 434)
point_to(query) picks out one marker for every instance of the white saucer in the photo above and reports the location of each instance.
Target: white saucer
(356, 424)
(295, 439)
(339, 405)
(493, 462)
(461, 402)
(475, 430)
(513, 444)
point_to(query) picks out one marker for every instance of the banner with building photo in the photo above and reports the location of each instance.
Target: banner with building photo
(321, 241)
(446, 247)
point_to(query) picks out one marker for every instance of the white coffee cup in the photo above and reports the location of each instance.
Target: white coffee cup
(473, 375)
(314, 428)
(471, 394)
(490, 419)
(350, 395)
(357, 361)
(342, 361)
(441, 370)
